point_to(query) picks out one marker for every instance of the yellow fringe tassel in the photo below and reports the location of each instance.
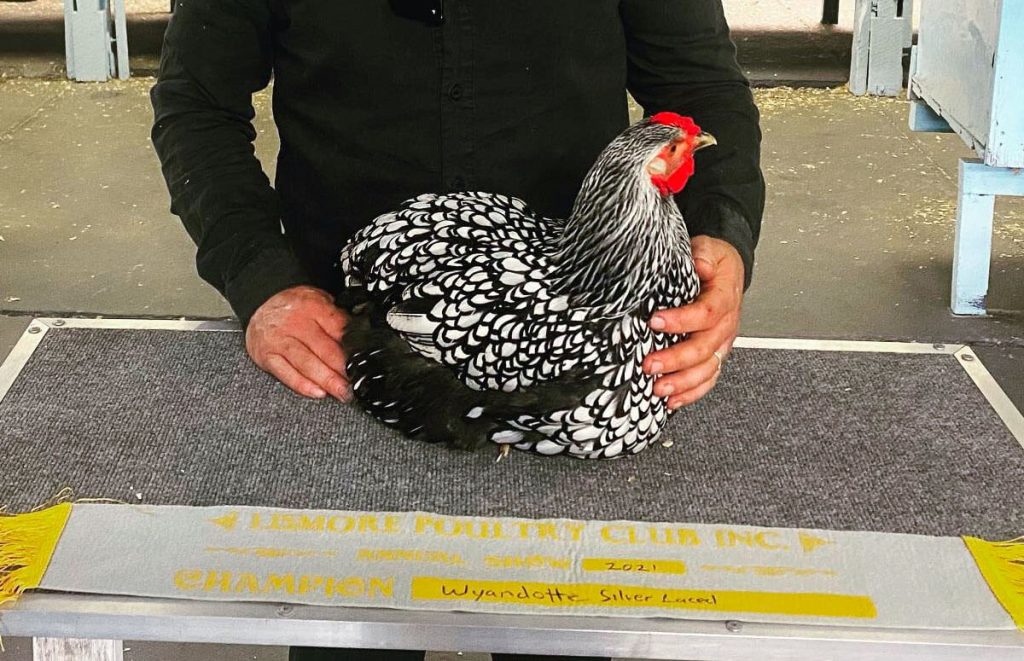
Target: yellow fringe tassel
(1002, 565)
(27, 542)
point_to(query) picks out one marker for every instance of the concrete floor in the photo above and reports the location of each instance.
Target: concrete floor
(856, 240)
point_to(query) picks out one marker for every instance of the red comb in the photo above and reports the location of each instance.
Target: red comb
(672, 119)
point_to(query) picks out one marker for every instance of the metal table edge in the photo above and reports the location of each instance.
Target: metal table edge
(139, 618)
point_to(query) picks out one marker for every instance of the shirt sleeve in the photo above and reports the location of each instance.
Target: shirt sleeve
(681, 59)
(216, 54)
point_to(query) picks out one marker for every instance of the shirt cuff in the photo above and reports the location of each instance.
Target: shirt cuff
(718, 219)
(269, 272)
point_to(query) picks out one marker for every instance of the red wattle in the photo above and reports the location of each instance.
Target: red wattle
(674, 182)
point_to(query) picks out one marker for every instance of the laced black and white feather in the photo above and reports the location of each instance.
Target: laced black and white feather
(542, 322)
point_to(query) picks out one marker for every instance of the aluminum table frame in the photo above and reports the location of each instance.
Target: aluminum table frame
(127, 618)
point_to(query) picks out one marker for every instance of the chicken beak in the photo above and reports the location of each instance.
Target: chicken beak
(703, 140)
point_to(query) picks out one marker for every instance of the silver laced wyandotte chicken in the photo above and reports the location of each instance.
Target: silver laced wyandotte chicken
(476, 322)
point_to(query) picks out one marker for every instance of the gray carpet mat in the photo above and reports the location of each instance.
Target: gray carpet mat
(864, 441)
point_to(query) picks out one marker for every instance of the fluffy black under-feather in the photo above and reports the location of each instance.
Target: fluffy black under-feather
(408, 392)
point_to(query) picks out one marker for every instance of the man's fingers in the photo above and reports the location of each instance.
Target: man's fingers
(332, 322)
(715, 259)
(704, 265)
(690, 369)
(283, 371)
(686, 380)
(696, 316)
(295, 335)
(692, 351)
(712, 304)
(726, 347)
(692, 395)
(326, 349)
(310, 366)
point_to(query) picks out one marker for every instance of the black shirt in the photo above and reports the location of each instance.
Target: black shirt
(372, 108)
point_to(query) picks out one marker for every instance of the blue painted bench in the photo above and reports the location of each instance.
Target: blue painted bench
(967, 76)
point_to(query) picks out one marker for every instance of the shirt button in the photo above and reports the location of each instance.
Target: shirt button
(455, 92)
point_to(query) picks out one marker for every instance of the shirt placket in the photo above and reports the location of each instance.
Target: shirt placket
(457, 101)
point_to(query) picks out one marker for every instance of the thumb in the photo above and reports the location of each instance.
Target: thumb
(704, 262)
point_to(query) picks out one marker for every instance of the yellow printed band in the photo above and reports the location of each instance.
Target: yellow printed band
(1002, 566)
(629, 565)
(433, 588)
(27, 542)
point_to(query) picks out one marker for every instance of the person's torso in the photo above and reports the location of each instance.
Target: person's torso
(372, 108)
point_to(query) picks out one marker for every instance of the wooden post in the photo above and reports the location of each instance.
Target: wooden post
(121, 38)
(861, 47)
(972, 250)
(972, 243)
(76, 649)
(880, 33)
(905, 10)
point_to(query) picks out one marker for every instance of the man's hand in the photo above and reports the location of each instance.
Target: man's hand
(296, 336)
(689, 370)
